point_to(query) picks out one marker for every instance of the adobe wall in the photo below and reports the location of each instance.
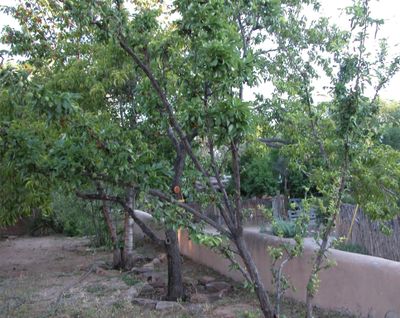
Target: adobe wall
(363, 285)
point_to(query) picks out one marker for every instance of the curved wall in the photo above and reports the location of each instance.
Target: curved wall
(363, 285)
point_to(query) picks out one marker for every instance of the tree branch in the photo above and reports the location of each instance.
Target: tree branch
(227, 253)
(264, 52)
(162, 196)
(161, 94)
(236, 179)
(313, 124)
(227, 218)
(173, 138)
(274, 142)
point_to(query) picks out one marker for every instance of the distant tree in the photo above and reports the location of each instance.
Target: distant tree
(258, 174)
(389, 124)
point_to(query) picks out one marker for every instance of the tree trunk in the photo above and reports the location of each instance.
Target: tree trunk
(325, 237)
(286, 195)
(311, 289)
(117, 257)
(176, 290)
(309, 305)
(128, 242)
(128, 233)
(175, 281)
(251, 267)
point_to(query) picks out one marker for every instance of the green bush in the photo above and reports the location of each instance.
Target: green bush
(43, 224)
(262, 173)
(284, 229)
(257, 174)
(76, 217)
(347, 198)
(352, 248)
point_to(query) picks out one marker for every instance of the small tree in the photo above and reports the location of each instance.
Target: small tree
(334, 143)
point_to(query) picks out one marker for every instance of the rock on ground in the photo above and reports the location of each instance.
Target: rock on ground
(168, 305)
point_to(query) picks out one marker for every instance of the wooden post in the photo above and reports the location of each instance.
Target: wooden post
(278, 207)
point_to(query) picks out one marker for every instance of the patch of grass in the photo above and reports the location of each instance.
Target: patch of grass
(15, 301)
(249, 314)
(67, 295)
(119, 305)
(84, 312)
(97, 289)
(130, 279)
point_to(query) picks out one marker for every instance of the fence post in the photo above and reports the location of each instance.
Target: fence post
(278, 207)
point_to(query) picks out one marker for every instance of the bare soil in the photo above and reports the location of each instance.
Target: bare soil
(57, 276)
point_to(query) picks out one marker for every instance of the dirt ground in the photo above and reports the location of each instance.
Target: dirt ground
(57, 276)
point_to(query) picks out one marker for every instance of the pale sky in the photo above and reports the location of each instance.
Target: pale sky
(389, 10)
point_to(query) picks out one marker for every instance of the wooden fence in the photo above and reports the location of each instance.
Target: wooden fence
(253, 214)
(367, 233)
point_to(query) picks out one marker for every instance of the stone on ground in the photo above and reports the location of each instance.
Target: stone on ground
(145, 302)
(168, 305)
(131, 293)
(217, 286)
(206, 280)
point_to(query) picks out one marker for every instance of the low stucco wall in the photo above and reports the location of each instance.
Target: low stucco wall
(362, 285)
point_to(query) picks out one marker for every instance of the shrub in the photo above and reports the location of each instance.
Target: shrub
(352, 248)
(284, 228)
(258, 176)
(80, 218)
(43, 224)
